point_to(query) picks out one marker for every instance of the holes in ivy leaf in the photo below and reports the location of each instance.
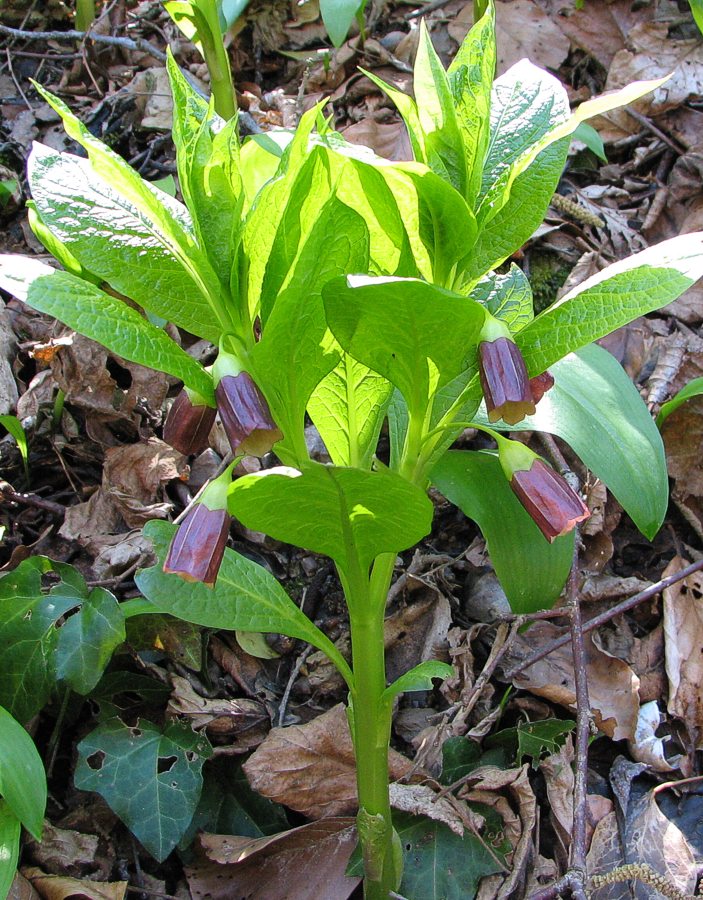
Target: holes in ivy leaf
(95, 760)
(165, 764)
(190, 756)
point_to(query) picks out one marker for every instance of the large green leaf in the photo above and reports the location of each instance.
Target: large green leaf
(297, 349)
(90, 311)
(348, 407)
(531, 571)
(10, 830)
(346, 514)
(444, 144)
(598, 411)
(209, 174)
(611, 298)
(392, 326)
(136, 252)
(245, 598)
(337, 17)
(507, 296)
(151, 778)
(22, 776)
(471, 76)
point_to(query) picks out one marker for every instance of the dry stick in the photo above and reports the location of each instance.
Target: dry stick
(55, 509)
(127, 43)
(607, 616)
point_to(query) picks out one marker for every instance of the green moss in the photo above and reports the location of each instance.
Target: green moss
(548, 272)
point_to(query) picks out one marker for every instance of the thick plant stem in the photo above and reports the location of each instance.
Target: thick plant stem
(371, 722)
(85, 14)
(217, 62)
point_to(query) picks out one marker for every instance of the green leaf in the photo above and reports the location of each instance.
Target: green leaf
(531, 571)
(611, 298)
(245, 598)
(697, 10)
(28, 636)
(597, 410)
(460, 756)
(150, 778)
(418, 679)
(438, 864)
(10, 829)
(471, 76)
(391, 325)
(694, 388)
(533, 739)
(443, 140)
(90, 311)
(14, 427)
(229, 11)
(346, 514)
(297, 349)
(22, 776)
(125, 230)
(348, 407)
(337, 17)
(88, 638)
(507, 297)
(520, 216)
(588, 135)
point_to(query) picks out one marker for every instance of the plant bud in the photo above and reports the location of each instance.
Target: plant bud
(198, 546)
(540, 384)
(553, 506)
(503, 374)
(188, 423)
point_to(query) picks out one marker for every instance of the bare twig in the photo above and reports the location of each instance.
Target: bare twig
(54, 509)
(650, 126)
(127, 43)
(291, 681)
(607, 616)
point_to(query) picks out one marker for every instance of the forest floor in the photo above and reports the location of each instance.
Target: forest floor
(98, 471)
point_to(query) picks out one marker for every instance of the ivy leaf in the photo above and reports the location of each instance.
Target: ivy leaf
(22, 776)
(346, 514)
(531, 571)
(90, 311)
(246, 597)
(150, 778)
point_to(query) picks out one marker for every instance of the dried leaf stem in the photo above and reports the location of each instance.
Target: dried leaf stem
(127, 43)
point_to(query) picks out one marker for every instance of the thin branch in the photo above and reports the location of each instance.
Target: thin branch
(606, 616)
(127, 43)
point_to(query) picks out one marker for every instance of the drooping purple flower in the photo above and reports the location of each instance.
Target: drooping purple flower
(553, 506)
(188, 424)
(245, 415)
(198, 546)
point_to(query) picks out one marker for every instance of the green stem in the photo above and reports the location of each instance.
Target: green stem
(59, 402)
(217, 61)
(371, 731)
(85, 14)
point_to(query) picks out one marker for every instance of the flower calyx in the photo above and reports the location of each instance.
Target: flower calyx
(189, 422)
(552, 505)
(243, 409)
(198, 546)
(503, 374)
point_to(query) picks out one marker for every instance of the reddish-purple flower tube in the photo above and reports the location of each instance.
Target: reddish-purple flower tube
(503, 374)
(188, 423)
(553, 506)
(243, 409)
(198, 546)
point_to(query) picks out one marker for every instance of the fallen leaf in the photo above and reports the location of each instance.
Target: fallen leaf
(646, 747)
(422, 800)
(8, 385)
(612, 685)
(683, 647)
(600, 28)
(310, 768)
(522, 30)
(60, 887)
(387, 139)
(306, 863)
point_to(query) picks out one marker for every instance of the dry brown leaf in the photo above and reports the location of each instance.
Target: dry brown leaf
(310, 768)
(613, 686)
(422, 800)
(646, 747)
(601, 27)
(243, 722)
(63, 851)
(652, 54)
(306, 863)
(21, 889)
(522, 30)
(8, 387)
(387, 139)
(60, 887)
(683, 644)
(683, 440)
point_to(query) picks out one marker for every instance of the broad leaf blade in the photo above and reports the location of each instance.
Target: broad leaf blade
(344, 513)
(150, 778)
(245, 598)
(611, 298)
(507, 297)
(10, 830)
(694, 388)
(418, 679)
(531, 571)
(90, 311)
(337, 17)
(391, 325)
(22, 776)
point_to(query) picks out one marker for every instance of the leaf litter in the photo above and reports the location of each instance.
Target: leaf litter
(107, 468)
